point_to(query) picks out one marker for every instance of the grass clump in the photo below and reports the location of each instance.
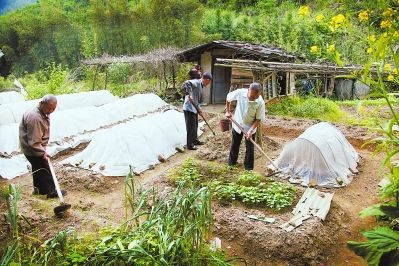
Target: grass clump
(227, 185)
(318, 108)
(370, 102)
(367, 113)
(161, 230)
(311, 107)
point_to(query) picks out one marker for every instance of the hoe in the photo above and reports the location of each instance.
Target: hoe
(258, 147)
(63, 207)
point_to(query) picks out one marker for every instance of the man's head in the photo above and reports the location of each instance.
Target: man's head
(254, 91)
(206, 78)
(48, 104)
(194, 74)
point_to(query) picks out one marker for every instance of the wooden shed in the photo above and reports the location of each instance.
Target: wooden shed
(230, 78)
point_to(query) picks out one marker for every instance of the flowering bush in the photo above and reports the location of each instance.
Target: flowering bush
(381, 24)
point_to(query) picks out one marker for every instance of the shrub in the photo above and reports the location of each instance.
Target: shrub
(52, 79)
(311, 107)
(118, 73)
(318, 108)
(6, 83)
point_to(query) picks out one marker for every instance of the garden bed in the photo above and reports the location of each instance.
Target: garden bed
(98, 201)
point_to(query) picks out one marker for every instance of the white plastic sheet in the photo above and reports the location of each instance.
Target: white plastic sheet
(71, 127)
(321, 154)
(137, 143)
(10, 97)
(74, 122)
(82, 99)
(9, 141)
(12, 167)
(13, 112)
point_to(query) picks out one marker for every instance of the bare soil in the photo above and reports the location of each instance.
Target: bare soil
(98, 201)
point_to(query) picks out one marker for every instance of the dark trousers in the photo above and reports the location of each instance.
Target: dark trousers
(235, 148)
(191, 127)
(42, 178)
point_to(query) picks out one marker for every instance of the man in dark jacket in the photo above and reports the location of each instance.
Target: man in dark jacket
(34, 134)
(193, 93)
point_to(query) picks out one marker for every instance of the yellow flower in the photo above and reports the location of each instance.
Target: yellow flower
(387, 67)
(396, 34)
(364, 15)
(314, 49)
(385, 35)
(372, 38)
(395, 71)
(369, 50)
(331, 48)
(388, 12)
(337, 21)
(386, 24)
(390, 78)
(304, 11)
(320, 18)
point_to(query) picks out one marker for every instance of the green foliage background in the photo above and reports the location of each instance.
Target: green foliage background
(64, 32)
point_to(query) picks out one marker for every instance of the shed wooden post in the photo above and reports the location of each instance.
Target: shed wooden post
(164, 75)
(331, 87)
(94, 78)
(173, 75)
(292, 83)
(274, 85)
(106, 77)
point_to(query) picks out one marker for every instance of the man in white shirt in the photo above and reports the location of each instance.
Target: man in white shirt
(249, 112)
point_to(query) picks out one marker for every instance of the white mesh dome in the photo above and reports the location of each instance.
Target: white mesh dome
(321, 154)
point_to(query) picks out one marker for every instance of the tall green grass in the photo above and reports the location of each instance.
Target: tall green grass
(368, 113)
(160, 230)
(369, 102)
(311, 107)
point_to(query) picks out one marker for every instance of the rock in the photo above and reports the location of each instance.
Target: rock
(91, 165)
(101, 167)
(135, 173)
(216, 244)
(312, 183)
(179, 149)
(161, 158)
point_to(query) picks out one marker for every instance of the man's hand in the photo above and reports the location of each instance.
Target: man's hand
(228, 114)
(46, 156)
(190, 98)
(249, 133)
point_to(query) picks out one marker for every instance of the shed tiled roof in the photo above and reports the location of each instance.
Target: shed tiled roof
(241, 50)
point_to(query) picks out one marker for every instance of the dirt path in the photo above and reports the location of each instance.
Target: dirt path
(98, 201)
